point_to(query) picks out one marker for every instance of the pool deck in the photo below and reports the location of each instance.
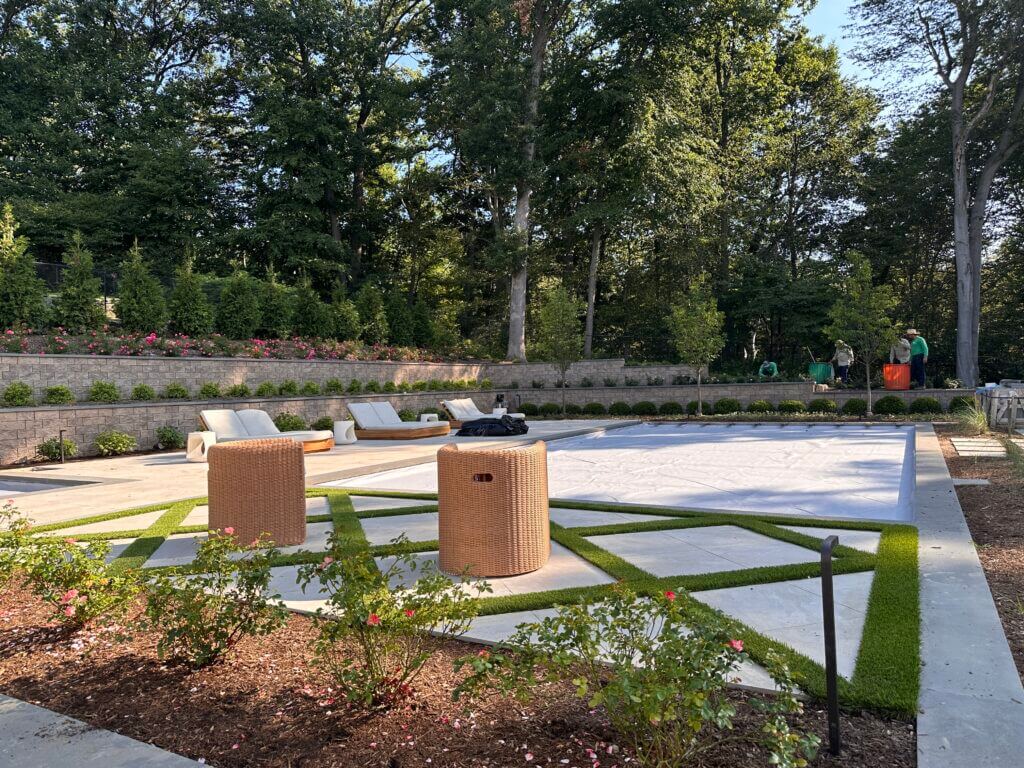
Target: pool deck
(131, 481)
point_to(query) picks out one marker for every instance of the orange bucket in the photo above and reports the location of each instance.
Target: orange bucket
(896, 376)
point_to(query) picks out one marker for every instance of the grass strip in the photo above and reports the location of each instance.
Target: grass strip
(100, 518)
(385, 494)
(396, 511)
(793, 537)
(888, 670)
(641, 525)
(611, 564)
(140, 550)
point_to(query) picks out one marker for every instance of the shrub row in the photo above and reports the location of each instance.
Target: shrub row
(18, 394)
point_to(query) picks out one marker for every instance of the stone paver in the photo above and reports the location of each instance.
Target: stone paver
(416, 527)
(200, 514)
(968, 481)
(564, 569)
(578, 518)
(372, 503)
(691, 551)
(131, 523)
(33, 737)
(980, 447)
(790, 612)
(181, 548)
(865, 541)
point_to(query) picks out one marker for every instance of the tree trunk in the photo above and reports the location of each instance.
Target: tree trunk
(565, 375)
(700, 399)
(968, 282)
(596, 246)
(867, 368)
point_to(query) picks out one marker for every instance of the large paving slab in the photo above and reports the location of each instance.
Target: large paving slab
(374, 503)
(865, 541)
(791, 613)
(979, 447)
(200, 514)
(690, 551)
(33, 737)
(181, 548)
(415, 527)
(130, 523)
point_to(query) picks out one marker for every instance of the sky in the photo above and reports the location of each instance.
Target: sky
(828, 19)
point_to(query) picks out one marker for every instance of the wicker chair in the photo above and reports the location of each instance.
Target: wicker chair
(258, 487)
(493, 510)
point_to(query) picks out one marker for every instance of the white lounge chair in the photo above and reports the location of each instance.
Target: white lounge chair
(380, 421)
(465, 409)
(250, 424)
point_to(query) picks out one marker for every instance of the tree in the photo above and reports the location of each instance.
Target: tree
(189, 308)
(313, 318)
(861, 316)
(78, 306)
(696, 325)
(277, 306)
(22, 293)
(400, 320)
(346, 317)
(141, 306)
(238, 313)
(974, 47)
(372, 316)
(559, 333)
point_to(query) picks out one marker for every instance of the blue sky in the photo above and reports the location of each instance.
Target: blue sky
(828, 19)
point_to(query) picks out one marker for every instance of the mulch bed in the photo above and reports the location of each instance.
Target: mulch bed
(267, 706)
(995, 515)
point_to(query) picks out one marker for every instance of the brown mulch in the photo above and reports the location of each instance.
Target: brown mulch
(267, 706)
(995, 515)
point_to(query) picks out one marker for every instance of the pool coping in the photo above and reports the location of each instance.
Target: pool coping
(971, 706)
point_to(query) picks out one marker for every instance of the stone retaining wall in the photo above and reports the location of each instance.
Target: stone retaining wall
(22, 429)
(80, 371)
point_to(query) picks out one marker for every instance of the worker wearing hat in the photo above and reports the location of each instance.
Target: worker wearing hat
(918, 357)
(843, 359)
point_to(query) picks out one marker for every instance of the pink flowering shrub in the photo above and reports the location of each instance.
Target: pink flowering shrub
(373, 639)
(76, 581)
(661, 681)
(203, 613)
(14, 537)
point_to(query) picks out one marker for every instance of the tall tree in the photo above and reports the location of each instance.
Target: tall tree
(974, 48)
(22, 293)
(696, 328)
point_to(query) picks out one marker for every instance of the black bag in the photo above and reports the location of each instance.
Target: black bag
(505, 426)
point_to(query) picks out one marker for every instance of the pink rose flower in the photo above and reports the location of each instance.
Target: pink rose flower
(409, 612)
(736, 645)
(670, 596)
(374, 620)
(229, 531)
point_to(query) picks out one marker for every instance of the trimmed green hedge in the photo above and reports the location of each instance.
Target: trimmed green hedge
(854, 407)
(594, 409)
(822, 405)
(760, 406)
(792, 406)
(619, 408)
(670, 409)
(890, 405)
(926, 405)
(691, 407)
(727, 405)
(645, 408)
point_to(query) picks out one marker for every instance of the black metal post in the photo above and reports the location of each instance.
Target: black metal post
(828, 609)
(60, 439)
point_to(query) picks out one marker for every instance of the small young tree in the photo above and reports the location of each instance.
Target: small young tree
(559, 332)
(189, 308)
(313, 318)
(78, 305)
(141, 306)
(238, 314)
(22, 293)
(277, 306)
(346, 317)
(696, 327)
(861, 316)
(374, 319)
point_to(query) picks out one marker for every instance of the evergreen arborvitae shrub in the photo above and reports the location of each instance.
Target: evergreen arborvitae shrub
(175, 391)
(619, 408)
(143, 392)
(141, 306)
(792, 406)
(961, 403)
(266, 389)
(58, 395)
(277, 307)
(822, 405)
(855, 406)
(372, 315)
(238, 314)
(890, 405)
(760, 406)
(529, 409)
(594, 409)
(670, 408)
(926, 405)
(727, 405)
(104, 392)
(238, 391)
(17, 394)
(313, 319)
(400, 320)
(347, 326)
(188, 306)
(78, 306)
(289, 422)
(22, 293)
(691, 408)
(645, 408)
(550, 409)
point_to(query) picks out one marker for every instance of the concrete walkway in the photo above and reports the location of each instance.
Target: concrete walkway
(972, 701)
(33, 737)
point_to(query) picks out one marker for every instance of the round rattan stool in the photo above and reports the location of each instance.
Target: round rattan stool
(493, 510)
(258, 487)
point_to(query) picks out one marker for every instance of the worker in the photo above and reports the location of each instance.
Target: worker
(918, 357)
(900, 351)
(768, 370)
(843, 359)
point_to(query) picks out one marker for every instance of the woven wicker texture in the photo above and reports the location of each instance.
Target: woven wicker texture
(258, 487)
(493, 510)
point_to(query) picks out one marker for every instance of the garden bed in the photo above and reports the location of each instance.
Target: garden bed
(266, 706)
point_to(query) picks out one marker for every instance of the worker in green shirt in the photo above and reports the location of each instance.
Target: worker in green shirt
(768, 370)
(918, 357)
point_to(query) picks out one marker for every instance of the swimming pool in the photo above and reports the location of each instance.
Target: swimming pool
(817, 470)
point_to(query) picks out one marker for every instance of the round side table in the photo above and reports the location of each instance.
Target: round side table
(344, 432)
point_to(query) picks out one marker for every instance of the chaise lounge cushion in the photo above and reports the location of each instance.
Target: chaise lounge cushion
(251, 423)
(382, 416)
(225, 425)
(464, 409)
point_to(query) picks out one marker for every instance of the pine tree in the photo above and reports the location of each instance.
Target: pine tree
(238, 314)
(400, 320)
(370, 305)
(141, 305)
(22, 293)
(78, 306)
(313, 318)
(346, 317)
(277, 306)
(189, 308)
(422, 327)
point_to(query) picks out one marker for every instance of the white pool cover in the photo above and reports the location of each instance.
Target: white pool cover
(842, 471)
